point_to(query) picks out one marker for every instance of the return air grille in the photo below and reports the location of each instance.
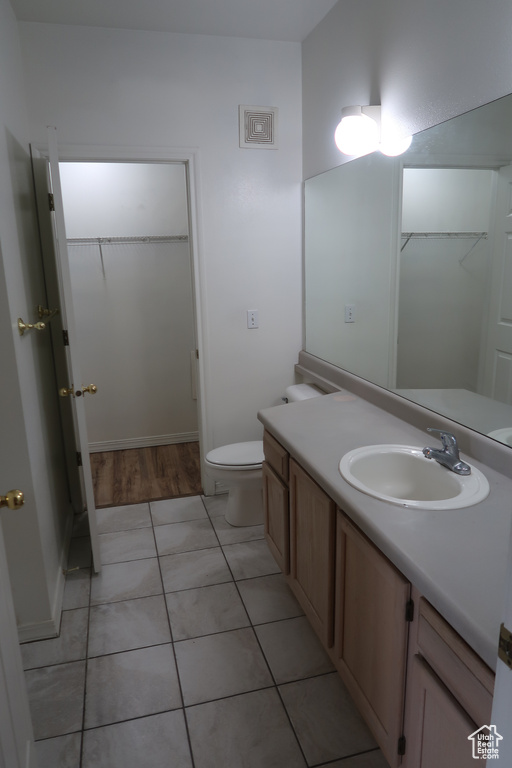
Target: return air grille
(258, 127)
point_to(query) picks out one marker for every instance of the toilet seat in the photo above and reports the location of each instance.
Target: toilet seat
(237, 456)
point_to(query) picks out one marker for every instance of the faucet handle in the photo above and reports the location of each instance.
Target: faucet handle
(447, 438)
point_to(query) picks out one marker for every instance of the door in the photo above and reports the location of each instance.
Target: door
(16, 735)
(62, 324)
(498, 357)
(502, 702)
(312, 541)
(440, 727)
(371, 603)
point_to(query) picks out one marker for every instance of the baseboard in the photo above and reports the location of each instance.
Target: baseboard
(50, 628)
(144, 442)
(43, 630)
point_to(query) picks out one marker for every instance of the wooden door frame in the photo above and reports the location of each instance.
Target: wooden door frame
(190, 158)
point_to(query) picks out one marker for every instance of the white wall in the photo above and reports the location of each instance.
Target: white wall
(127, 88)
(124, 199)
(424, 62)
(351, 242)
(30, 447)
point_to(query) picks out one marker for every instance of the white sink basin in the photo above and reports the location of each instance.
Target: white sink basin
(503, 435)
(400, 474)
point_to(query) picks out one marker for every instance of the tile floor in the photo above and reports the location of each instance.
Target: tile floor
(187, 651)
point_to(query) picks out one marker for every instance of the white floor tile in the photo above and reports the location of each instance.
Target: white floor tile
(203, 611)
(149, 742)
(251, 730)
(220, 665)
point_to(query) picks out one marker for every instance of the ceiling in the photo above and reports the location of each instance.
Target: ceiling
(286, 20)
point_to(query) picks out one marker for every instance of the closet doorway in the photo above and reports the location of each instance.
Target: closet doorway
(128, 238)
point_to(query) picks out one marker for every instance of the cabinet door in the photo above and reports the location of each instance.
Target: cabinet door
(312, 543)
(277, 518)
(440, 728)
(371, 634)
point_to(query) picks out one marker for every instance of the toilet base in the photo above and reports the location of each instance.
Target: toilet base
(245, 506)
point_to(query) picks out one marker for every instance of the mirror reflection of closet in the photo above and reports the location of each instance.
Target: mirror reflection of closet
(127, 230)
(444, 267)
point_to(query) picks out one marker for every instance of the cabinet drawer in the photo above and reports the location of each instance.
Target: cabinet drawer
(462, 671)
(276, 456)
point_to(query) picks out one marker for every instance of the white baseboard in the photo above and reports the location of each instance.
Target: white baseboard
(43, 630)
(144, 442)
(50, 628)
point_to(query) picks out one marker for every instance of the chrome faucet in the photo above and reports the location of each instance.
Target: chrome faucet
(449, 455)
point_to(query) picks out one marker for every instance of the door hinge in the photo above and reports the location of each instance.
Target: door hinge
(401, 745)
(51, 201)
(65, 338)
(79, 458)
(409, 610)
(505, 646)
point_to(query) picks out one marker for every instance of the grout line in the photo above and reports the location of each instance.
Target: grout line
(86, 667)
(178, 676)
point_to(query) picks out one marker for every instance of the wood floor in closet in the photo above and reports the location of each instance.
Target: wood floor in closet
(146, 474)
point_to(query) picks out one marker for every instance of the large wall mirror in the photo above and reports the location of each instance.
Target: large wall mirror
(408, 269)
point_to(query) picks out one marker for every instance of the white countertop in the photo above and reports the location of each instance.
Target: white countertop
(456, 558)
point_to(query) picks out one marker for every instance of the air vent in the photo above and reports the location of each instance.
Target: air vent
(258, 127)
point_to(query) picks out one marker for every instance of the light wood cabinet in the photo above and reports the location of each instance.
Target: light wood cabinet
(449, 694)
(439, 738)
(277, 518)
(312, 542)
(420, 688)
(370, 653)
(275, 501)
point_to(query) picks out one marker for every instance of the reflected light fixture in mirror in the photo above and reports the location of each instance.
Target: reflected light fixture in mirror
(359, 132)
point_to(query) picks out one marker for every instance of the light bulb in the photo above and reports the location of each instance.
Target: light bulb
(395, 145)
(357, 134)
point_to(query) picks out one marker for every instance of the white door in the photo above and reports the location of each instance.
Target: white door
(502, 702)
(497, 380)
(16, 735)
(65, 349)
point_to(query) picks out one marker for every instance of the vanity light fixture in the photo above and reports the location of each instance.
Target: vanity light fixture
(359, 133)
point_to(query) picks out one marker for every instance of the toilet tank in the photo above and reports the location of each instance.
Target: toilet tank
(297, 392)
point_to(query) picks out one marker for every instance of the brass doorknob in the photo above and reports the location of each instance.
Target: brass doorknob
(67, 391)
(92, 389)
(13, 500)
(22, 327)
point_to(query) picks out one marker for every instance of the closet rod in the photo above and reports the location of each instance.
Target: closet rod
(407, 236)
(441, 235)
(128, 240)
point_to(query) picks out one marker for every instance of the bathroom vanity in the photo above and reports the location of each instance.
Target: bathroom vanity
(407, 602)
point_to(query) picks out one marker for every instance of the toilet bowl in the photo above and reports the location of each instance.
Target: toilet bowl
(238, 468)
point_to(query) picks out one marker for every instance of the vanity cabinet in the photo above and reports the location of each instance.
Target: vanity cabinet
(449, 694)
(312, 542)
(420, 688)
(372, 612)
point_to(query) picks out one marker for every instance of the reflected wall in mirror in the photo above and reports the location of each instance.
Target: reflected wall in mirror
(408, 269)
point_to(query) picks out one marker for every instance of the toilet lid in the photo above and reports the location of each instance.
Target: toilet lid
(238, 454)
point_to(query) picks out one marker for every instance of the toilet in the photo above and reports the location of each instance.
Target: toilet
(238, 468)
